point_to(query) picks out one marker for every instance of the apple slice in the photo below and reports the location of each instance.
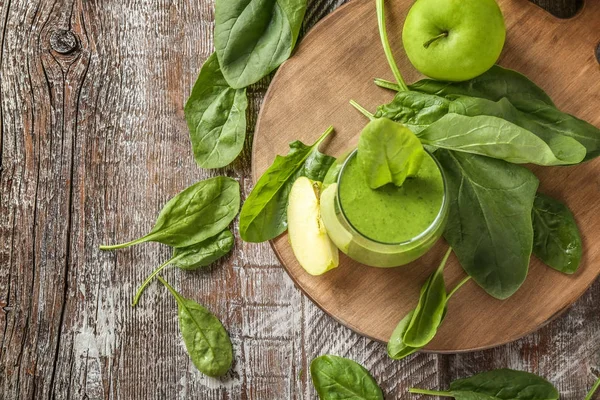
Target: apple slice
(312, 247)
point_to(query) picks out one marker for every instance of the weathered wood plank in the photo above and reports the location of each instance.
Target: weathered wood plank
(92, 143)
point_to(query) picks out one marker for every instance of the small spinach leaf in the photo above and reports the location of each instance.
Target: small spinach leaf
(337, 378)
(489, 224)
(253, 37)
(388, 153)
(197, 213)
(556, 239)
(495, 84)
(264, 214)
(193, 257)
(205, 338)
(216, 117)
(499, 384)
(430, 311)
(397, 349)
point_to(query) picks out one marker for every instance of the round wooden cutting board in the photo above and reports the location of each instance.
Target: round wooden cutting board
(336, 62)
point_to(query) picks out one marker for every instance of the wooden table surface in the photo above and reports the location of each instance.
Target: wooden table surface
(93, 142)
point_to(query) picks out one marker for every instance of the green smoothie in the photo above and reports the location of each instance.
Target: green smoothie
(392, 214)
(389, 226)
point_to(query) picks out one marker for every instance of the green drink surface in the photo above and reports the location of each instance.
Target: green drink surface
(392, 214)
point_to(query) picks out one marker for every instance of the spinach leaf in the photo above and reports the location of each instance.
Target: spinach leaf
(205, 338)
(193, 257)
(216, 117)
(541, 117)
(556, 239)
(481, 126)
(495, 84)
(397, 349)
(337, 378)
(499, 384)
(253, 37)
(388, 153)
(489, 224)
(590, 394)
(264, 214)
(498, 138)
(428, 315)
(197, 213)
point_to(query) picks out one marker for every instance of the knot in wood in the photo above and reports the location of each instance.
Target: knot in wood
(63, 41)
(598, 52)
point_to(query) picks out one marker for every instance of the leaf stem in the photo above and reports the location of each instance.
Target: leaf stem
(433, 39)
(323, 136)
(123, 245)
(430, 392)
(593, 390)
(386, 45)
(139, 292)
(362, 110)
(461, 283)
(384, 83)
(177, 296)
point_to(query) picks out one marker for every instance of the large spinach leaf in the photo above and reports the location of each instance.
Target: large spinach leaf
(197, 213)
(481, 126)
(429, 313)
(495, 84)
(489, 224)
(499, 384)
(253, 37)
(388, 153)
(193, 257)
(556, 239)
(337, 378)
(541, 117)
(205, 338)
(216, 117)
(264, 214)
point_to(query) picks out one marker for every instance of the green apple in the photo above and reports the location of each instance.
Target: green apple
(453, 40)
(312, 247)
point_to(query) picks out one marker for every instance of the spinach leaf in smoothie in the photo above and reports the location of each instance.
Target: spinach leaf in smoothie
(428, 315)
(556, 239)
(197, 213)
(216, 117)
(489, 223)
(264, 214)
(388, 153)
(193, 257)
(337, 378)
(205, 338)
(252, 38)
(499, 384)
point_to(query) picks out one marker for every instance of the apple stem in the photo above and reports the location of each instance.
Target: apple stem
(433, 39)
(386, 45)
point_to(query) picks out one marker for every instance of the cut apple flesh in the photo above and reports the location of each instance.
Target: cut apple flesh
(312, 247)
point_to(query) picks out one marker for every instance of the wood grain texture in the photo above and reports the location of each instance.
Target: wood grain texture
(92, 143)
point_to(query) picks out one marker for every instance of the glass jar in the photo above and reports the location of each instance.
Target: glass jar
(360, 247)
